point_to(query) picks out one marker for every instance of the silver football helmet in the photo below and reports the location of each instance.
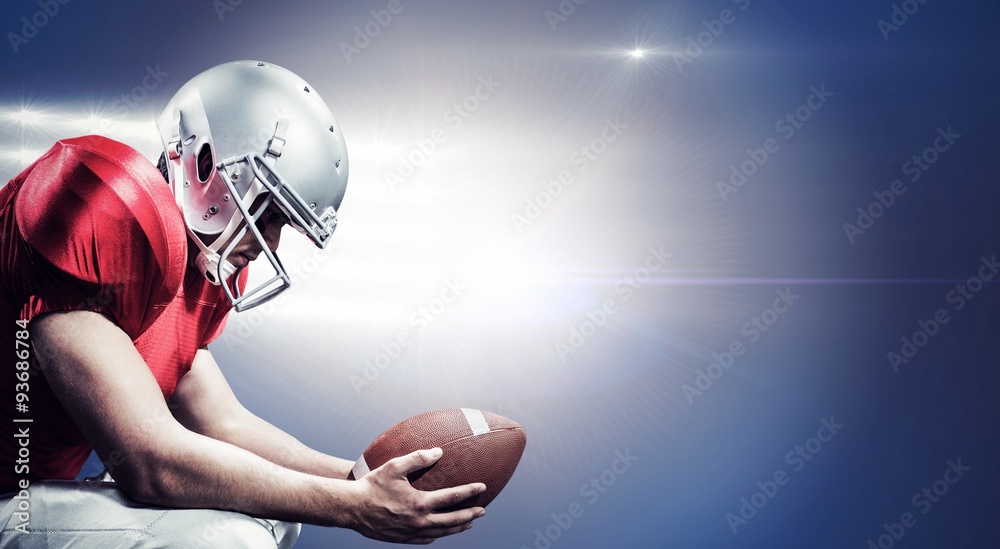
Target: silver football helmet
(244, 131)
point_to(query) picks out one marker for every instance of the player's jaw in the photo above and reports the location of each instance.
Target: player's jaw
(269, 224)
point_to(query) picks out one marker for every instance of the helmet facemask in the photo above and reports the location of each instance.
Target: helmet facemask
(267, 183)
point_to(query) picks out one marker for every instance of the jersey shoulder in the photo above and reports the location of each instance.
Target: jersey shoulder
(99, 211)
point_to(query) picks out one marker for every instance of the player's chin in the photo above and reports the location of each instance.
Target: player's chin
(238, 260)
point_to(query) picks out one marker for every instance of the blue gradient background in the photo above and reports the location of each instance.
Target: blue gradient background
(495, 347)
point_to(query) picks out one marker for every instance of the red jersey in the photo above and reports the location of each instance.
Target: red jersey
(92, 225)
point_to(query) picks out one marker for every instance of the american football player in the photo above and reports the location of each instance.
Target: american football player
(115, 275)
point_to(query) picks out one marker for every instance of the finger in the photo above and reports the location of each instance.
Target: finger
(454, 519)
(431, 534)
(446, 497)
(404, 465)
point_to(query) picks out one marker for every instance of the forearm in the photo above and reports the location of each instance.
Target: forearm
(253, 434)
(204, 403)
(196, 471)
(103, 383)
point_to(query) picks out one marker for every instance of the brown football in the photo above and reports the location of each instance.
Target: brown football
(478, 446)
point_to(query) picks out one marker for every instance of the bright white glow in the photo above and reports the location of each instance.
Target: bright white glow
(94, 122)
(380, 148)
(31, 129)
(27, 155)
(25, 116)
(69, 123)
(637, 53)
(21, 157)
(501, 274)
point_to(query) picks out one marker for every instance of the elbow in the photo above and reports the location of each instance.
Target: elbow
(145, 493)
(149, 477)
(142, 483)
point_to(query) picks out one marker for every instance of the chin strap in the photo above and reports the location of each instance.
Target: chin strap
(208, 262)
(208, 258)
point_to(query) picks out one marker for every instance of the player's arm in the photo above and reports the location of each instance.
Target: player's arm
(106, 387)
(204, 403)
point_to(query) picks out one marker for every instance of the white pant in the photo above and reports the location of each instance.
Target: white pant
(99, 515)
